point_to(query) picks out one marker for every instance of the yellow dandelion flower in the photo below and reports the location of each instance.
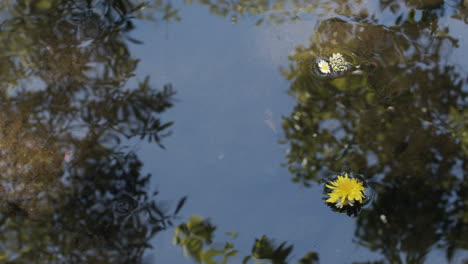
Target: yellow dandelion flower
(345, 191)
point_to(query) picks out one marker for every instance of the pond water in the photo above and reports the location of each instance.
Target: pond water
(204, 131)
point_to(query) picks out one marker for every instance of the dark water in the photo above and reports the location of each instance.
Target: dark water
(200, 132)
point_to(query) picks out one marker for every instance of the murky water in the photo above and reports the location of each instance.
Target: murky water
(206, 131)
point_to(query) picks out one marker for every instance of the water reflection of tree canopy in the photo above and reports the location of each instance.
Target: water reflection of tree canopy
(398, 123)
(67, 72)
(281, 11)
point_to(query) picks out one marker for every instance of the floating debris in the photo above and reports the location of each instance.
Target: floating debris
(338, 63)
(332, 66)
(324, 67)
(346, 194)
(269, 121)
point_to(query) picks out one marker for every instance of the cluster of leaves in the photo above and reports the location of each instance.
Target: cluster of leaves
(196, 239)
(275, 12)
(113, 11)
(264, 249)
(281, 11)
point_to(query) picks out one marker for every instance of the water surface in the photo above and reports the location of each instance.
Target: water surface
(197, 131)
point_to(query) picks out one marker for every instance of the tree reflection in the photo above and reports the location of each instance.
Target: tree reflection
(396, 119)
(282, 11)
(71, 192)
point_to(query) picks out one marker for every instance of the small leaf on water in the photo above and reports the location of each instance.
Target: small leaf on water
(232, 234)
(246, 260)
(180, 204)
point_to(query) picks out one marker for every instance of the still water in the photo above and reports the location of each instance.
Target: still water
(204, 131)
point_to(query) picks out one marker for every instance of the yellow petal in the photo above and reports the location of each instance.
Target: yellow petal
(343, 200)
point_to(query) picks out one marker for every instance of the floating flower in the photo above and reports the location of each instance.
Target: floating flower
(346, 192)
(338, 62)
(323, 66)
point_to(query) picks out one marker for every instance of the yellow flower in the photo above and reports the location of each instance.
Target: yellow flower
(345, 191)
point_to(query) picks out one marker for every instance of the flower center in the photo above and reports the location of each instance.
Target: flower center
(348, 187)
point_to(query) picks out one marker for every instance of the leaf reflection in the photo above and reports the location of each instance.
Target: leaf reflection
(196, 238)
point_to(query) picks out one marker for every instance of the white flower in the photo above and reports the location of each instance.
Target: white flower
(323, 66)
(336, 56)
(338, 62)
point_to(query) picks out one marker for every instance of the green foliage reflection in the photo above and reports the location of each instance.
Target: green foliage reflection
(196, 239)
(282, 11)
(71, 191)
(397, 119)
